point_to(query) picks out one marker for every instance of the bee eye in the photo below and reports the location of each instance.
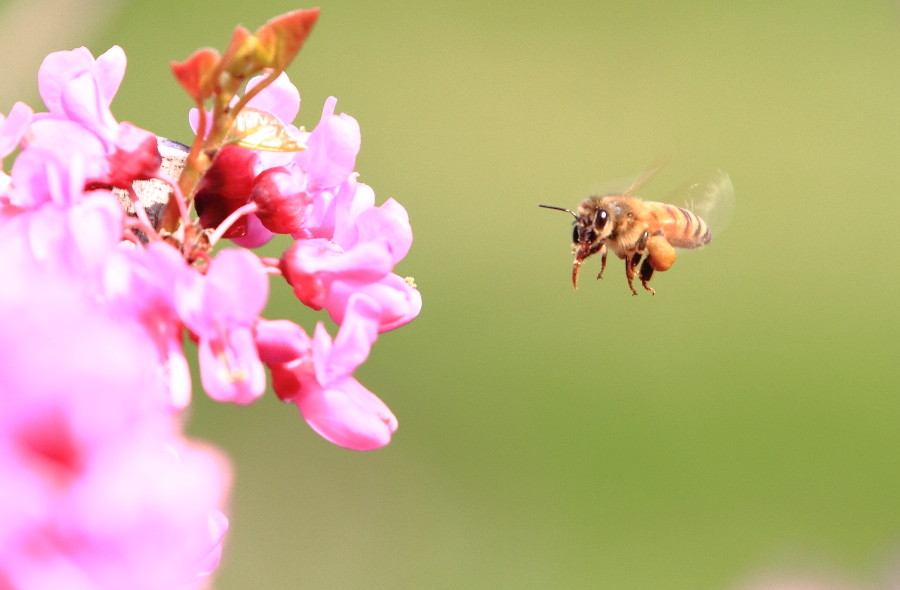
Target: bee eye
(575, 234)
(601, 218)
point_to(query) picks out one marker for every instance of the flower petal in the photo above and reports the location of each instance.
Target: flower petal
(347, 414)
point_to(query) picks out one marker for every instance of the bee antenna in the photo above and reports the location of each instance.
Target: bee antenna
(575, 215)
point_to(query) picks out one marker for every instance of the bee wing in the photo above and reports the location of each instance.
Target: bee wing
(625, 185)
(628, 185)
(709, 195)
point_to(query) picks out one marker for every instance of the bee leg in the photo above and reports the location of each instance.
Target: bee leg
(647, 274)
(631, 269)
(602, 261)
(641, 244)
(633, 258)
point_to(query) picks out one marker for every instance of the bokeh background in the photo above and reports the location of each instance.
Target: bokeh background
(741, 423)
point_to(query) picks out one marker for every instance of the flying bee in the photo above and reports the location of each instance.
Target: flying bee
(644, 233)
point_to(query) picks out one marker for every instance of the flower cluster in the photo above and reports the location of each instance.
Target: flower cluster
(102, 488)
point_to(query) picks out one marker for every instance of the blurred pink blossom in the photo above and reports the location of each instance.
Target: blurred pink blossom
(102, 489)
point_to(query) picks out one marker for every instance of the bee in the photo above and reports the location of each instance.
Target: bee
(643, 233)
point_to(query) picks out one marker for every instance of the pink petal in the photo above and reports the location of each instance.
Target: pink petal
(233, 292)
(13, 127)
(230, 368)
(55, 72)
(388, 225)
(237, 286)
(331, 148)
(312, 267)
(83, 103)
(257, 235)
(281, 98)
(109, 72)
(398, 301)
(354, 340)
(135, 156)
(347, 414)
(280, 341)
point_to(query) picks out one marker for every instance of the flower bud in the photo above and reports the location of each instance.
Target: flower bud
(279, 193)
(225, 187)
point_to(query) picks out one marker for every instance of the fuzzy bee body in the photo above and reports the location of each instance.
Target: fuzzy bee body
(642, 233)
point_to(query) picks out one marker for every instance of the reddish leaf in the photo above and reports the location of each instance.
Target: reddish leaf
(283, 36)
(240, 58)
(197, 74)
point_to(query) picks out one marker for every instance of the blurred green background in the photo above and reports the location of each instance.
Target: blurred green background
(743, 420)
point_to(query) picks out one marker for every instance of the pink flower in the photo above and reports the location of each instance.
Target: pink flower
(313, 266)
(316, 374)
(79, 89)
(139, 282)
(99, 489)
(338, 206)
(55, 170)
(331, 149)
(286, 187)
(221, 309)
(359, 259)
(228, 184)
(56, 301)
(387, 225)
(397, 300)
(75, 240)
(346, 413)
(137, 512)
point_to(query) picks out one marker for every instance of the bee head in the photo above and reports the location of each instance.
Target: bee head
(591, 227)
(589, 231)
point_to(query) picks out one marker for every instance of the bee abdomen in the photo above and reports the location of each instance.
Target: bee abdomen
(683, 228)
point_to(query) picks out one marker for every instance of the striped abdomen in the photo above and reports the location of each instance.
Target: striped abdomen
(682, 228)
